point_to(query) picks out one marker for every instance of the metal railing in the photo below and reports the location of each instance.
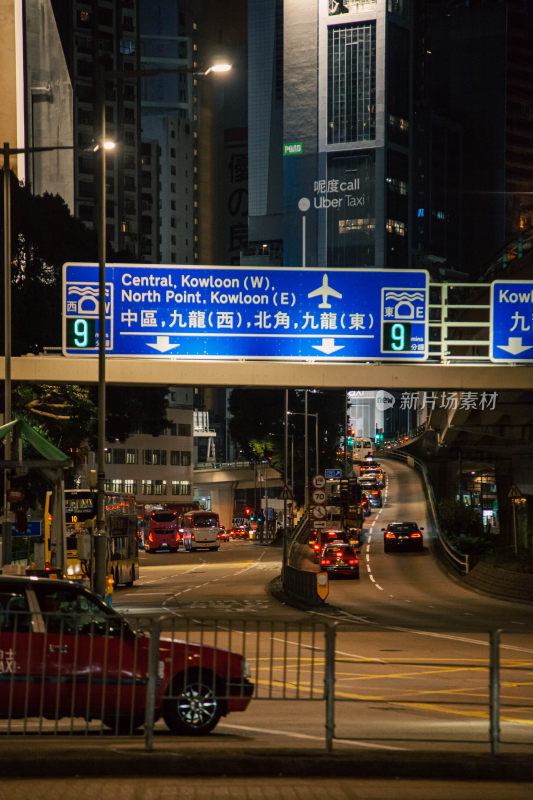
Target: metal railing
(69, 680)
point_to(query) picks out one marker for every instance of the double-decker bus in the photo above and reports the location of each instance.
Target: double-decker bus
(121, 529)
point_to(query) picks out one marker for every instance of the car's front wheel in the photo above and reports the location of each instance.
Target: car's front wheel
(194, 708)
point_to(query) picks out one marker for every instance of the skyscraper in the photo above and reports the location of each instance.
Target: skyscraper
(344, 149)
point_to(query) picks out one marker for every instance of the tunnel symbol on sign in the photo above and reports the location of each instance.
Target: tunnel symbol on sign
(403, 304)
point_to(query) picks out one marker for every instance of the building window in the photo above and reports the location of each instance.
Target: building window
(132, 456)
(130, 486)
(119, 455)
(397, 185)
(181, 488)
(395, 226)
(184, 429)
(117, 485)
(153, 487)
(352, 82)
(180, 458)
(155, 457)
(108, 456)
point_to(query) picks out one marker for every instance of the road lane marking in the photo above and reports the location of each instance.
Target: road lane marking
(291, 734)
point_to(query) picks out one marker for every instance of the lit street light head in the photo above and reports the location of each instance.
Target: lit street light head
(217, 68)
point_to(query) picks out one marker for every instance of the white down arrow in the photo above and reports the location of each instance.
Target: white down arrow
(163, 344)
(328, 346)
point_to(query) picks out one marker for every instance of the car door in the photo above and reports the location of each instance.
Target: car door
(94, 665)
(19, 661)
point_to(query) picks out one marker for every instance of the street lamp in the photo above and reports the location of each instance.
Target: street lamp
(100, 541)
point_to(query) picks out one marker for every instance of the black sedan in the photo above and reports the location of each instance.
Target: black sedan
(402, 536)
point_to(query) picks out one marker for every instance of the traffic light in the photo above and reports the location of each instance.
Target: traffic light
(351, 434)
(247, 512)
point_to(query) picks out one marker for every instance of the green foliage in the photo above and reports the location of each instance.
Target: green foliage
(257, 425)
(64, 414)
(44, 235)
(463, 527)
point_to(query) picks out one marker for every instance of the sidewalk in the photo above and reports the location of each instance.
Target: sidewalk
(99, 756)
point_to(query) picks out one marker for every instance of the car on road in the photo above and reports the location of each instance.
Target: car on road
(375, 497)
(378, 474)
(402, 536)
(367, 465)
(340, 559)
(239, 532)
(321, 539)
(65, 653)
(223, 534)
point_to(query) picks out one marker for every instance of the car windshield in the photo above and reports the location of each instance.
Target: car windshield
(404, 527)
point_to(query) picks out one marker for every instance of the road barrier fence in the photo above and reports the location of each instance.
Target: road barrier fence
(78, 679)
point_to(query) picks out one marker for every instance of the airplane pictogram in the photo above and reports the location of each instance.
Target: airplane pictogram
(324, 291)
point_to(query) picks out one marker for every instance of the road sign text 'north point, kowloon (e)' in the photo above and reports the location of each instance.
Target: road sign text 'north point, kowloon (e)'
(190, 312)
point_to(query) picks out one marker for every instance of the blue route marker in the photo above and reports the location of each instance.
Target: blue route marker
(184, 312)
(511, 321)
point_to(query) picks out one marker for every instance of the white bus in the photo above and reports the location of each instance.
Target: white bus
(200, 529)
(362, 444)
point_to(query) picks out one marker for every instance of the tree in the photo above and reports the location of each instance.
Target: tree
(257, 425)
(44, 236)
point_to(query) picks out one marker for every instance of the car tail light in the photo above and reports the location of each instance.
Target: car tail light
(316, 547)
(375, 492)
(352, 561)
(150, 537)
(390, 535)
(339, 554)
(192, 535)
(416, 535)
(325, 561)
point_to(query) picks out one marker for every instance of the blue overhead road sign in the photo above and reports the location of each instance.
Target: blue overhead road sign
(190, 312)
(511, 321)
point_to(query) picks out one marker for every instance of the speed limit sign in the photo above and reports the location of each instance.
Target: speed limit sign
(318, 497)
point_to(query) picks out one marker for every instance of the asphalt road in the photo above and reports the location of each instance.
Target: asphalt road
(412, 646)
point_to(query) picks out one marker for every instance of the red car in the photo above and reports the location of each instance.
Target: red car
(340, 559)
(65, 653)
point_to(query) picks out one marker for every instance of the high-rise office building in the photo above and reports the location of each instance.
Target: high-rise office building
(334, 184)
(390, 133)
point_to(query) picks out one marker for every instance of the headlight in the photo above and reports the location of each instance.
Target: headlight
(246, 670)
(74, 569)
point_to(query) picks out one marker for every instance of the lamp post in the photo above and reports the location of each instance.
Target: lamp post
(100, 541)
(308, 414)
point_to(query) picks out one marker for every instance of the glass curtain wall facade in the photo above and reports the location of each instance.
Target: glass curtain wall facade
(346, 133)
